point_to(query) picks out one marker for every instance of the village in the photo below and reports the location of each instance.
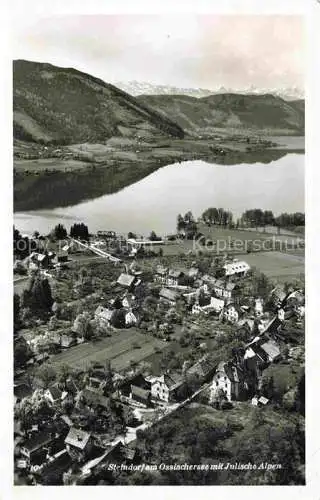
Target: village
(109, 343)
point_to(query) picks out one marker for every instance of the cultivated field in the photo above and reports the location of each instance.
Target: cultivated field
(233, 241)
(43, 164)
(279, 265)
(120, 349)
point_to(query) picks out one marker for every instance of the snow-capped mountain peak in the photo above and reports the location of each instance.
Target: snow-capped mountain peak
(135, 88)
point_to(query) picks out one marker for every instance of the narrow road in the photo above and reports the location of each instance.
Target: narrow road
(97, 251)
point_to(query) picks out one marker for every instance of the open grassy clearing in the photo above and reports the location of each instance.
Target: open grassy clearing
(280, 265)
(245, 235)
(120, 349)
(51, 164)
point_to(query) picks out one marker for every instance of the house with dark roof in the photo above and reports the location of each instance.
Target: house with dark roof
(78, 443)
(229, 381)
(203, 368)
(259, 353)
(36, 447)
(51, 474)
(94, 399)
(164, 388)
(274, 324)
(232, 313)
(272, 350)
(136, 381)
(224, 289)
(54, 394)
(169, 296)
(278, 296)
(140, 396)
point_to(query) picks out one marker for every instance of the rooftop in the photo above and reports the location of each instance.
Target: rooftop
(125, 279)
(168, 294)
(140, 393)
(77, 438)
(56, 393)
(38, 440)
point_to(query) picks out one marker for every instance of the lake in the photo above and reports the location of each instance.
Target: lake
(154, 202)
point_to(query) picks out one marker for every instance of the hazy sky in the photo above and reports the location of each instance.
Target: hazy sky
(196, 51)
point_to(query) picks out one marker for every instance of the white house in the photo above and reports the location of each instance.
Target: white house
(231, 313)
(223, 289)
(258, 401)
(130, 319)
(237, 267)
(174, 277)
(103, 315)
(216, 305)
(54, 394)
(300, 311)
(163, 388)
(228, 380)
(161, 274)
(258, 307)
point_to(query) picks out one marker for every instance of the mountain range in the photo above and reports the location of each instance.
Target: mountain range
(65, 106)
(136, 88)
(230, 111)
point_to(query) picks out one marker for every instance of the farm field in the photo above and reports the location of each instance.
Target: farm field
(232, 241)
(120, 349)
(280, 265)
(51, 164)
(217, 233)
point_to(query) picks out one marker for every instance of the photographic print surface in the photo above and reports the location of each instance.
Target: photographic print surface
(158, 240)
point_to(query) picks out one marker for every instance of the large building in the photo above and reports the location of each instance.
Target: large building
(236, 268)
(227, 381)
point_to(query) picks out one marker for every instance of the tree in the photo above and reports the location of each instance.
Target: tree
(118, 318)
(210, 216)
(82, 325)
(262, 285)
(117, 303)
(46, 374)
(154, 237)
(79, 231)
(268, 218)
(180, 223)
(38, 296)
(59, 232)
(21, 352)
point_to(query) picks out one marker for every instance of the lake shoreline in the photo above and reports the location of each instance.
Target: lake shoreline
(112, 171)
(153, 200)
